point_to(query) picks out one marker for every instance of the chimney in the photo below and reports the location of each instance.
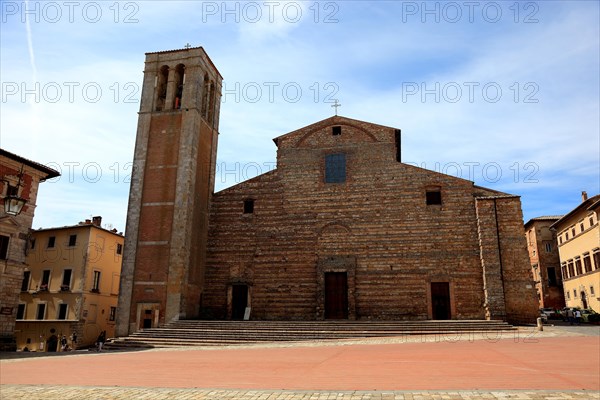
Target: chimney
(583, 196)
(88, 221)
(97, 221)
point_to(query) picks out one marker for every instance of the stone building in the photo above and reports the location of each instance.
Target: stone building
(545, 262)
(578, 235)
(19, 178)
(71, 285)
(340, 229)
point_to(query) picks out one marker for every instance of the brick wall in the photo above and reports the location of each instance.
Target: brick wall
(378, 219)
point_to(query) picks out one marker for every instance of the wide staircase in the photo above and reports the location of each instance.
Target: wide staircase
(221, 333)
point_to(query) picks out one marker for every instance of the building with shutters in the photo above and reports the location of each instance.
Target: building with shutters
(578, 234)
(71, 285)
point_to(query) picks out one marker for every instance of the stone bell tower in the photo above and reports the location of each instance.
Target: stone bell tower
(171, 186)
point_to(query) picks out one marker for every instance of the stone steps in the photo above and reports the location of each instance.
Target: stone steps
(222, 333)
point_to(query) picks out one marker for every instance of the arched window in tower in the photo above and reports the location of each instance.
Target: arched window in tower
(211, 105)
(179, 82)
(205, 94)
(161, 87)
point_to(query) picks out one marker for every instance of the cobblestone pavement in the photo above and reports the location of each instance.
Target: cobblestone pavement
(30, 392)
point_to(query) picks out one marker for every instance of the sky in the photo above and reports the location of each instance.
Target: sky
(503, 93)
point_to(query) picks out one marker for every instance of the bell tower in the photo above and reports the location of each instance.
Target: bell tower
(171, 186)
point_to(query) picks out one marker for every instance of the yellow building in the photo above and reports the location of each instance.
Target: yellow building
(578, 235)
(71, 286)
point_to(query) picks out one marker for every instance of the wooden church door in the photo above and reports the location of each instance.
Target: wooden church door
(336, 295)
(440, 300)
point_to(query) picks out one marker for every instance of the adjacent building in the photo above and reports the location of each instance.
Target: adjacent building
(19, 181)
(578, 234)
(545, 262)
(71, 285)
(341, 229)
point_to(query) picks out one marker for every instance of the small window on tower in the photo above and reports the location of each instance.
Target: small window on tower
(336, 130)
(248, 206)
(433, 197)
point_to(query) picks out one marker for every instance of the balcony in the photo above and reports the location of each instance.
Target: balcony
(43, 287)
(96, 290)
(65, 288)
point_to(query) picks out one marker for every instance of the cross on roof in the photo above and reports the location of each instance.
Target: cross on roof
(336, 104)
(187, 46)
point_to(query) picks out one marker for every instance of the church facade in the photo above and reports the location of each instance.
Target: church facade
(341, 229)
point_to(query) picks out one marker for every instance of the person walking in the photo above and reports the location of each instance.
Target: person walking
(101, 339)
(578, 317)
(570, 316)
(63, 343)
(73, 340)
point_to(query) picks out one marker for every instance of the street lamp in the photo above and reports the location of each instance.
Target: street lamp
(13, 203)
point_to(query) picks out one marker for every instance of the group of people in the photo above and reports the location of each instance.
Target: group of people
(574, 316)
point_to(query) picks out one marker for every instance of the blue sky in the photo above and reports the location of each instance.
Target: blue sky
(502, 93)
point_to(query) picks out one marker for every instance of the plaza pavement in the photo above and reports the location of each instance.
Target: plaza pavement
(559, 363)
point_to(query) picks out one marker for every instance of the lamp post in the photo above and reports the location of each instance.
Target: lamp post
(13, 203)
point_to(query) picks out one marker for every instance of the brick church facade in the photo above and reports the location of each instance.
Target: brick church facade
(341, 229)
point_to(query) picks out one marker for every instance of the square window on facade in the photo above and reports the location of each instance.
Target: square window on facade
(335, 168)
(113, 313)
(62, 311)
(96, 282)
(336, 130)
(548, 247)
(41, 311)
(72, 240)
(51, 241)
(66, 282)
(45, 282)
(587, 263)
(248, 206)
(568, 295)
(32, 243)
(119, 248)
(21, 311)
(592, 292)
(25, 282)
(575, 293)
(433, 197)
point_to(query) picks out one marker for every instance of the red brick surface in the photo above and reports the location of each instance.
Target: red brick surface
(564, 363)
